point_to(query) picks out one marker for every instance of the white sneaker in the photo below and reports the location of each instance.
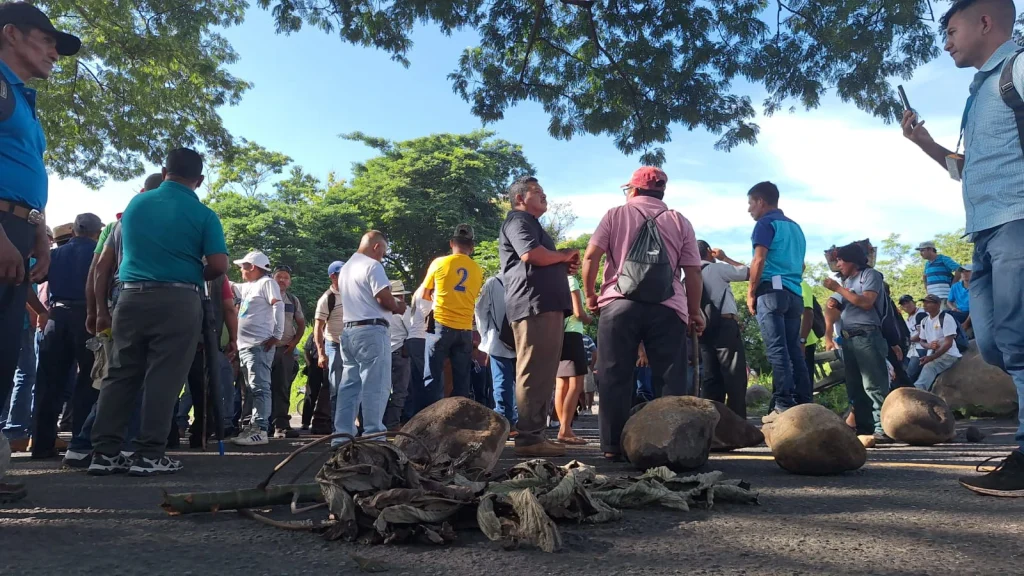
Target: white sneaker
(251, 437)
(586, 412)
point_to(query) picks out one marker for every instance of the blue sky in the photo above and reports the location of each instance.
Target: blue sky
(844, 175)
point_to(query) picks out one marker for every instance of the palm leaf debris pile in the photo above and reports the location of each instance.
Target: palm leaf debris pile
(375, 494)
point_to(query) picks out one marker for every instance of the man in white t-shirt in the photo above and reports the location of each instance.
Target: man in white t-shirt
(937, 334)
(367, 305)
(416, 345)
(260, 329)
(915, 314)
(327, 328)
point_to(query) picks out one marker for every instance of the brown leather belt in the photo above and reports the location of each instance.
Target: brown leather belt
(31, 215)
(729, 316)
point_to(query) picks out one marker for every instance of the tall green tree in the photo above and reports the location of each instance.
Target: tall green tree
(417, 191)
(300, 222)
(247, 167)
(151, 74)
(633, 69)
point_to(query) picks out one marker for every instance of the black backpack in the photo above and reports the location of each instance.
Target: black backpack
(960, 339)
(332, 301)
(1011, 97)
(646, 275)
(818, 322)
(712, 313)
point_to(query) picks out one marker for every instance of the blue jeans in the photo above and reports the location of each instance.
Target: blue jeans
(365, 381)
(334, 371)
(997, 304)
(779, 314)
(83, 441)
(454, 344)
(503, 378)
(257, 365)
(644, 388)
(182, 409)
(16, 416)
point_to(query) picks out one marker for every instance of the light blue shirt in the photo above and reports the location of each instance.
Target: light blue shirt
(993, 175)
(786, 246)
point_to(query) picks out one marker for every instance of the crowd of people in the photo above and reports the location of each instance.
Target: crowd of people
(150, 291)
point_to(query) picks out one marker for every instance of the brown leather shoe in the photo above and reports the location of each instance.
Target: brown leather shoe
(544, 449)
(20, 445)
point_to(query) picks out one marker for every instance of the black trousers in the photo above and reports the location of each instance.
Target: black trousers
(725, 367)
(624, 325)
(62, 346)
(316, 407)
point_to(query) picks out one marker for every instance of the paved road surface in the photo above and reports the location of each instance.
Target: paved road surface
(903, 513)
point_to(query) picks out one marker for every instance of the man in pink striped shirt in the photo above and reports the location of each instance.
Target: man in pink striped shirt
(628, 320)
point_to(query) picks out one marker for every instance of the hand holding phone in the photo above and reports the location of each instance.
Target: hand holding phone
(906, 104)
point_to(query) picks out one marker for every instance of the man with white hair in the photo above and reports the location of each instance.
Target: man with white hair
(367, 305)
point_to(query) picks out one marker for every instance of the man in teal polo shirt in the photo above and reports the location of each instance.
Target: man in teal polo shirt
(29, 47)
(165, 235)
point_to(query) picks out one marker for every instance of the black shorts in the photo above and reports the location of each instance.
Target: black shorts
(574, 356)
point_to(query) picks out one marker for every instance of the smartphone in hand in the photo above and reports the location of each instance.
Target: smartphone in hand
(906, 103)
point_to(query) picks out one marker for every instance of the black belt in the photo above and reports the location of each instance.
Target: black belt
(68, 303)
(374, 322)
(158, 286)
(858, 332)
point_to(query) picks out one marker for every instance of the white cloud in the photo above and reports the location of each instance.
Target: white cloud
(841, 179)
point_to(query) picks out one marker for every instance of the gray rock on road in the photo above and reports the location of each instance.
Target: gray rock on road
(733, 432)
(917, 417)
(811, 439)
(673, 431)
(757, 394)
(452, 426)
(974, 384)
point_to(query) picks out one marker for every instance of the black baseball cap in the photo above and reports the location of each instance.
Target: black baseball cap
(906, 298)
(25, 14)
(463, 232)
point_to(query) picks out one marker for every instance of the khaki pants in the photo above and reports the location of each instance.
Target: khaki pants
(538, 350)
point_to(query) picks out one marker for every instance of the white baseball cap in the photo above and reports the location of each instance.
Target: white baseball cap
(257, 259)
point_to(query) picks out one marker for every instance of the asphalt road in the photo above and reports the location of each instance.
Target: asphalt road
(903, 513)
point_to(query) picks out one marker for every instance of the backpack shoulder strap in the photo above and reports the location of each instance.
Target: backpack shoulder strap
(332, 301)
(1011, 97)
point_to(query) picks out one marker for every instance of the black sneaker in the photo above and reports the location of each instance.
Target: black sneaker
(73, 459)
(883, 438)
(154, 466)
(1006, 480)
(107, 465)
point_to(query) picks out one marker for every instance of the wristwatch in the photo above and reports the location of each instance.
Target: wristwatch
(803, 341)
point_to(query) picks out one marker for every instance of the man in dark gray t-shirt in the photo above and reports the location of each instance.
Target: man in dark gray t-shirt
(536, 303)
(862, 298)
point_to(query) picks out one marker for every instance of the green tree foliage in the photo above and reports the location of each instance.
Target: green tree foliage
(247, 167)
(302, 223)
(151, 73)
(558, 221)
(904, 268)
(633, 69)
(417, 191)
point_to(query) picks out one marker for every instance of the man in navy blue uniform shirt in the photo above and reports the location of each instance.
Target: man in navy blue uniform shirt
(64, 337)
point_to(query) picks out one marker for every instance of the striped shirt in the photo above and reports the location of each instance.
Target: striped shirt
(993, 175)
(938, 275)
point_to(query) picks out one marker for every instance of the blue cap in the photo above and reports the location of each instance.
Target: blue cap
(335, 267)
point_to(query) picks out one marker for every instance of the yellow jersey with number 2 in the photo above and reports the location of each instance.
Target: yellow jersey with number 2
(456, 281)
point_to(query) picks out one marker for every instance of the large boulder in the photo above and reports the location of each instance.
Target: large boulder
(733, 432)
(674, 431)
(757, 394)
(451, 427)
(811, 439)
(977, 386)
(917, 417)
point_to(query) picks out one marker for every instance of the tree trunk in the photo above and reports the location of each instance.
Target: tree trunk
(191, 503)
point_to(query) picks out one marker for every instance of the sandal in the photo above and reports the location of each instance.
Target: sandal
(574, 441)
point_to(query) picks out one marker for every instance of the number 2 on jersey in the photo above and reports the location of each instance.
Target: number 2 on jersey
(463, 275)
